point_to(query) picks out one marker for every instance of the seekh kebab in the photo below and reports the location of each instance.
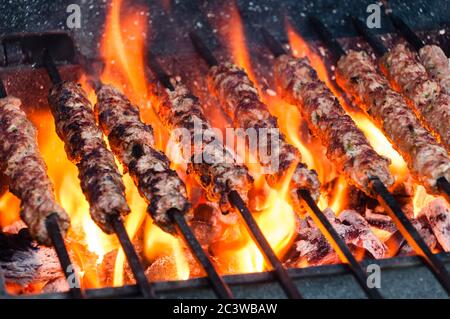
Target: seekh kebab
(409, 77)
(357, 74)
(241, 101)
(437, 65)
(100, 178)
(214, 167)
(132, 142)
(26, 172)
(347, 147)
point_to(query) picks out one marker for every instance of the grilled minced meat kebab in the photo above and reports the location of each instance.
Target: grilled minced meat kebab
(132, 142)
(346, 145)
(357, 74)
(26, 172)
(407, 75)
(437, 65)
(241, 101)
(100, 179)
(214, 167)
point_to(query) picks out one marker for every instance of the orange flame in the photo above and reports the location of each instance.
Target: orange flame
(123, 50)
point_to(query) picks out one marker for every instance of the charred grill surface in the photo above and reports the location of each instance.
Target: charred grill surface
(241, 102)
(212, 164)
(427, 160)
(100, 179)
(409, 76)
(347, 146)
(26, 171)
(133, 143)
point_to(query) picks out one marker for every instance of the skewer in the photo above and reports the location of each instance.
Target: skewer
(388, 201)
(251, 224)
(317, 215)
(117, 223)
(406, 32)
(444, 186)
(57, 239)
(220, 287)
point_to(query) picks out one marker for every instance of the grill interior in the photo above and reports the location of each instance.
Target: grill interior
(76, 53)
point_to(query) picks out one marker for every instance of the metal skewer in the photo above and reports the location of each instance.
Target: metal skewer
(406, 32)
(317, 215)
(221, 289)
(116, 221)
(236, 200)
(388, 201)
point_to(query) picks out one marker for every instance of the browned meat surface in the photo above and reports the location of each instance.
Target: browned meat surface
(212, 164)
(241, 101)
(437, 65)
(356, 73)
(132, 142)
(100, 179)
(26, 172)
(346, 145)
(409, 76)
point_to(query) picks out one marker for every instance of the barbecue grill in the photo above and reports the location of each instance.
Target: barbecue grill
(35, 54)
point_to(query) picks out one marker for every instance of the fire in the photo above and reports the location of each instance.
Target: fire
(123, 50)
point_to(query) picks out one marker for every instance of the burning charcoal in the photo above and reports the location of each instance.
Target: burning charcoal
(25, 263)
(379, 219)
(312, 247)
(424, 229)
(56, 285)
(363, 237)
(438, 215)
(163, 269)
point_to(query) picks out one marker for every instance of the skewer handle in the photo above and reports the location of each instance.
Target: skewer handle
(3, 93)
(252, 226)
(220, 287)
(272, 43)
(406, 31)
(51, 67)
(378, 47)
(338, 244)
(325, 35)
(133, 259)
(202, 49)
(63, 256)
(444, 185)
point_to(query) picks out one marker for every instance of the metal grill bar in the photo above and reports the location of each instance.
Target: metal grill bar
(387, 200)
(116, 221)
(220, 287)
(317, 215)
